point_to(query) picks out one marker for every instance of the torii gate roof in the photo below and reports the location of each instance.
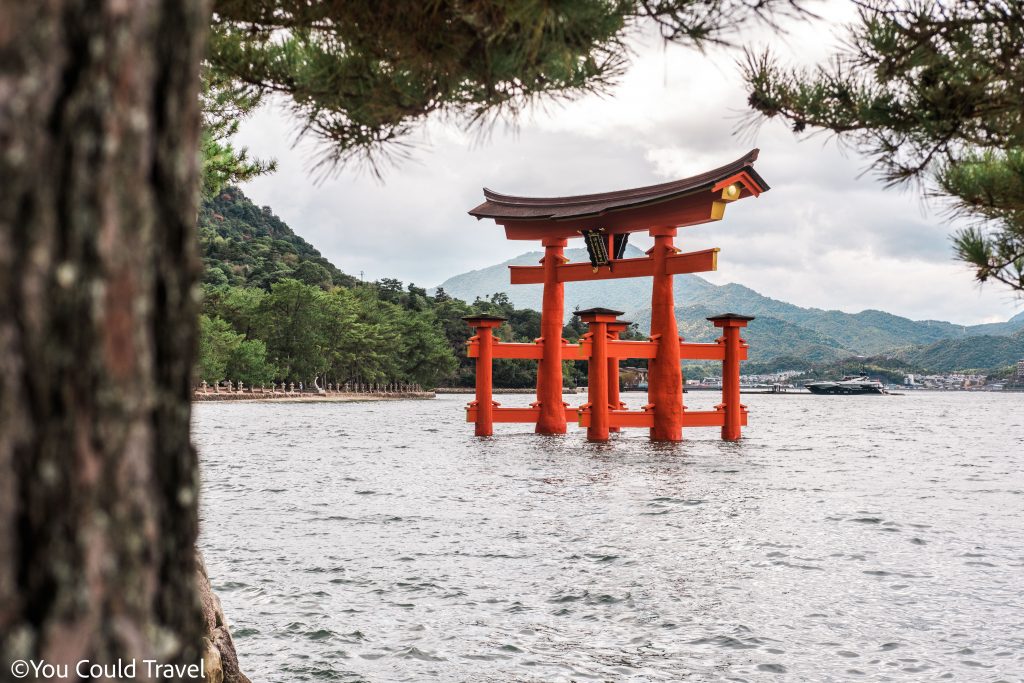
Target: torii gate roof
(688, 201)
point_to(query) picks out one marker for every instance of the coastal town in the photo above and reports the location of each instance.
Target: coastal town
(945, 381)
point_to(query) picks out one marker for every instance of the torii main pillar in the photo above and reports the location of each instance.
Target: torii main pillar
(549, 371)
(665, 380)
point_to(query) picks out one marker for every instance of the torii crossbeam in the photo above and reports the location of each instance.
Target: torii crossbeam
(605, 221)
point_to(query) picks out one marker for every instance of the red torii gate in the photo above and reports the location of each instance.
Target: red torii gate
(605, 221)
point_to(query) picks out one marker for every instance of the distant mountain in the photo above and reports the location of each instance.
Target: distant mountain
(625, 295)
(1009, 327)
(867, 332)
(782, 328)
(768, 338)
(976, 352)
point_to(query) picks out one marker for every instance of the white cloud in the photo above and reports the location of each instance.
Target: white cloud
(826, 235)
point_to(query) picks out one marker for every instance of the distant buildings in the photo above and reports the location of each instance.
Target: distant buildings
(949, 381)
(1020, 369)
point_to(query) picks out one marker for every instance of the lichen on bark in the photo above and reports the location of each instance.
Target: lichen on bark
(99, 127)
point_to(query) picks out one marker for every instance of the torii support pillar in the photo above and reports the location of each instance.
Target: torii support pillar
(731, 324)
(598, 320)
(484, 326)
(665, 378)
(615, 329)
(549, 372)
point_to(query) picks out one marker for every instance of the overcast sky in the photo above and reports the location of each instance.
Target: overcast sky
(827, 235)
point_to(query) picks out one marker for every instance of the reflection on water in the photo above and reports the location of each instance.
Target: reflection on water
(845, 538)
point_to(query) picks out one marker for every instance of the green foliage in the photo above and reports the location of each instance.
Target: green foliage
(248, 363)
(932, 91)
(364, 75)
(225, 105)
(975, 353)
(301, 333)
(226, 354)
(423, 351)
(245, 245)
(216, 341)
(312, 274)
(291, 320)
(989, 186)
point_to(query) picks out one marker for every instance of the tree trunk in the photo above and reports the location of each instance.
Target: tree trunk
(98, 273)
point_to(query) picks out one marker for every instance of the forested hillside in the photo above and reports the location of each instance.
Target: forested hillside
(275, 310)
(769, 337)
(982, 352)
(246, 245)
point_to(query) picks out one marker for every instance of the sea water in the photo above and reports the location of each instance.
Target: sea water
(874, 538)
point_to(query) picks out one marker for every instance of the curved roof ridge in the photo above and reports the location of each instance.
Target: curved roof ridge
(638, 193)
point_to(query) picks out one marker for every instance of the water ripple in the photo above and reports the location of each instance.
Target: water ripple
(843, 539)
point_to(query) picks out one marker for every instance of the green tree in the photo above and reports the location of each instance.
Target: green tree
(248, 363)
(227, 354)
(225, 104)
(289, 321)
(240, 306)
(390, 289)
(215, 276)
(449, 312)
(216, 342)
(312, 274)
(425, 355)
(363, 75)
(932, 92)
(252, 246)
(346, 337)
(377, 355)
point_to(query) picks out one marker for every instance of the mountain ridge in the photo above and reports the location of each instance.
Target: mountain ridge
(819, 332)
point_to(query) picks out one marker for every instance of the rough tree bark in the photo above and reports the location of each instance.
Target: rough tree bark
(98, 270)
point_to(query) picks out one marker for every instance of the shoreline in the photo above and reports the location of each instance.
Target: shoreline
(498, 390)
(327, 397)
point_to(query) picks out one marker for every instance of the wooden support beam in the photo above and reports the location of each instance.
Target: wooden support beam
(692, 262)
(617, 418)
(616, 349)
(575, 352)
(702, 351)
(510, 350)
(632, 349)
(741, 180)
(510, 415)
(641, 418)
(622, 418)
(632, 418)
(483, 340)
(528, 351)
(703, 418)
(690, 351)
